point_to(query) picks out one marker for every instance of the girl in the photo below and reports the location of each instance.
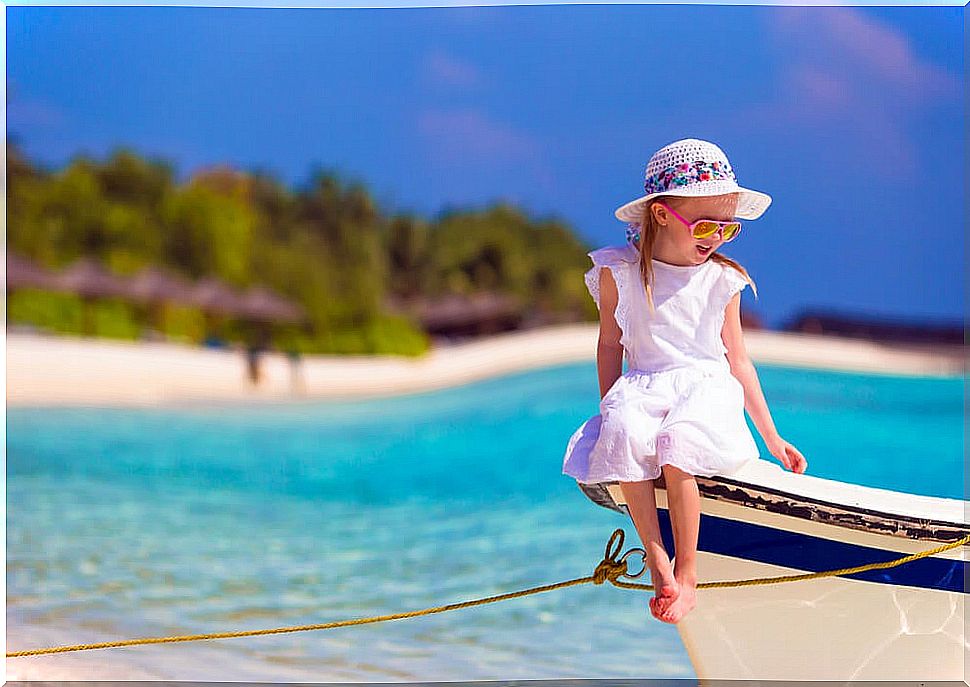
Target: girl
(671, 302)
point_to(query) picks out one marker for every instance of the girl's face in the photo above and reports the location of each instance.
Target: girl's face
(675, 243)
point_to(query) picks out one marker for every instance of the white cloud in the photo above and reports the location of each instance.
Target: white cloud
(472, 143)
(446, 70)
(841, 69)
(468, 135)
(859, 44)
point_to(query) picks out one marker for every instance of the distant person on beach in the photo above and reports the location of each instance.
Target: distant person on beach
(253, 353)
(671, 303)
(256, 345)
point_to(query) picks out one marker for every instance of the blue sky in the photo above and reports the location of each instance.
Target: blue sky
(840, 113)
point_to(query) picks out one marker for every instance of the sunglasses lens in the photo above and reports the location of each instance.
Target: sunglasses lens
(704, 229)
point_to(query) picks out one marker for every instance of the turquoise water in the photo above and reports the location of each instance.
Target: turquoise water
(135, 523)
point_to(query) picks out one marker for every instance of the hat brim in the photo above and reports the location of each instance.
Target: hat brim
(751, 205)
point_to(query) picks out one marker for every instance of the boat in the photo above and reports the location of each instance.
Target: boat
(900, 623)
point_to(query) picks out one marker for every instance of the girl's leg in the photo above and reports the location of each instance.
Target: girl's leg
(684, 504)
(642, 502)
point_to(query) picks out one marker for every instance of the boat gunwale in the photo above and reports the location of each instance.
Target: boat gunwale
(791, 504)
(894, 524)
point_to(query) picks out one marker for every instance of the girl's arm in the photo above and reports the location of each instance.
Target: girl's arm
(609, 351)
(743, 369)
(754, 399)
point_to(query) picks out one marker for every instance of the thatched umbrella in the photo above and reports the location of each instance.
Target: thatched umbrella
(89, 280)
(23, 273)
(213, 296)
(265, 306)
(216, 300)
(153, 285)
(155, 288)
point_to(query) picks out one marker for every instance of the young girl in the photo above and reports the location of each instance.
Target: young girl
(671, 302)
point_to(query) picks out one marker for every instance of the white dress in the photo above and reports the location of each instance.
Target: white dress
(678, 402)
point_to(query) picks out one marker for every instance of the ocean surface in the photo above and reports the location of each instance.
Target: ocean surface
(140, 523)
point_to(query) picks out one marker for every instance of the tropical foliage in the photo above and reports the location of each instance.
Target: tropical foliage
(326, 246)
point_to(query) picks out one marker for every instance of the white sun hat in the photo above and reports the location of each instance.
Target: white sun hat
(692, 167)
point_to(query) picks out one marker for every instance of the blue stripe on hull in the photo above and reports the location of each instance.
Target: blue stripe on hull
(752, 542)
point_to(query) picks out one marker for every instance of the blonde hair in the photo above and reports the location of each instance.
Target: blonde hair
(649, 228)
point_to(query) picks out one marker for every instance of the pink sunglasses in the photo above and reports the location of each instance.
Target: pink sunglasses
(703, 228)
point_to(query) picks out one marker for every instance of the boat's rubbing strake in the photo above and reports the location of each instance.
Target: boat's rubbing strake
(738, 538)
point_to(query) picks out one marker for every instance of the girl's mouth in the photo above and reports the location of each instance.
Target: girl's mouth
(704, 250)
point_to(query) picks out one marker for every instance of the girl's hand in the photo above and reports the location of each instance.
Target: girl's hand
(789, 456)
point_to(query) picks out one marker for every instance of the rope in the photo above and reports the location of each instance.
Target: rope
(611, 568)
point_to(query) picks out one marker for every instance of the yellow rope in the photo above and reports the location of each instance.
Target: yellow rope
(611, 568)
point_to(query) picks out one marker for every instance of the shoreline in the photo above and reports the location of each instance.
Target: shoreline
(50, 370)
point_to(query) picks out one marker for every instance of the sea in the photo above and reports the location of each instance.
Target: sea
(130, 523)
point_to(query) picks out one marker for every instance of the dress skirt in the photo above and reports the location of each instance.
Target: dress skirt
(688, 417)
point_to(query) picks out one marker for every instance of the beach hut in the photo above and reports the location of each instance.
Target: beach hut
(883, 330)
(474, 315)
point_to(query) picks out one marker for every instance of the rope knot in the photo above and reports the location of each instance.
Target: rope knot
(608, 570)
(613, 566)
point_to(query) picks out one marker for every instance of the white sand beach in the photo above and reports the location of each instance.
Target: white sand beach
(57, 371)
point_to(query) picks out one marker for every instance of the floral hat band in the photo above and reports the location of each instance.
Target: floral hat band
(690, 167)
(687, 173)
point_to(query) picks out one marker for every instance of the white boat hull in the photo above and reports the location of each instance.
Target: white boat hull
(823, 629)
(900, 623)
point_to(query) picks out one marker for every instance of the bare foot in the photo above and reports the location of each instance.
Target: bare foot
(684, 603)
(665, 589)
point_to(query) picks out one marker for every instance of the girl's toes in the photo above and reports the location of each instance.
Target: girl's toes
(671, 614)
(666, 596)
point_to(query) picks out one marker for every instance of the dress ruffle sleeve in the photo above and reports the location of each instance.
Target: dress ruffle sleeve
(731, 282)
(620, 261)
